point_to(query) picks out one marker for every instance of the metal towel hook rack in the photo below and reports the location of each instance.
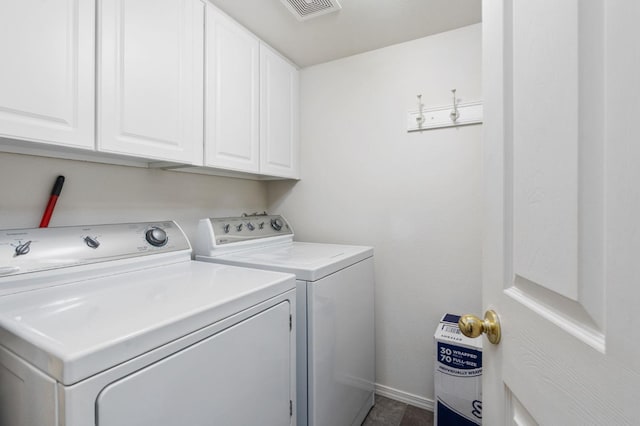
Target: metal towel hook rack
(420, 118)
(454, 114)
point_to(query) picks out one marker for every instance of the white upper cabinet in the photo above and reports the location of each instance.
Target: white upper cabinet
(150, 79)
(172, 81)
(232, 78)
(279, 138)
(47, 74)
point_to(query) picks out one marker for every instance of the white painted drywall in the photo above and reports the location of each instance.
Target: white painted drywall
(98, 193)
(414, 197)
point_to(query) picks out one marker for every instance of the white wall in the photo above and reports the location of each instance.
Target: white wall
(97, 193)
(414, 197)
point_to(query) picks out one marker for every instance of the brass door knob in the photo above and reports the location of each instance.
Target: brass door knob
(472, 326)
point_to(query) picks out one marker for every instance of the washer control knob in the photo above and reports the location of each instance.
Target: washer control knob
(156, 237)
(250, 226)
(92, 242)
(23, 248)
(261, 225)
(276, 224)
(225, 228)
(239, 227)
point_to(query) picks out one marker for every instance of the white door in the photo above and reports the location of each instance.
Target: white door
(47, 71)
(232, 135)
(279, 91)
(562, 217)
(150, 68)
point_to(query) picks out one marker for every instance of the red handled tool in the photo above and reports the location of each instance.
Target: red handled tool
(55, 193)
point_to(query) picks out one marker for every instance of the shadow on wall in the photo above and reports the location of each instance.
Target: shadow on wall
(277, 192)
(97, 193)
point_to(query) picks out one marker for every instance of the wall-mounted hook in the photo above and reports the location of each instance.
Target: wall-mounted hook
(420, 118)
(454, 114)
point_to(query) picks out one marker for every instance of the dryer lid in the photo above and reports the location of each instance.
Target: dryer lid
(308, 261)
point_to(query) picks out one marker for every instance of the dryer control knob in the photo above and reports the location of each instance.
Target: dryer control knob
(92, 242)
(261, 225)
(225, 228)
(23, 248)
(250, 226)
(276, 224)
(156, 237)
(239, 227)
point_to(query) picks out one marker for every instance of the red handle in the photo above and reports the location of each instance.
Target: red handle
(55, 193)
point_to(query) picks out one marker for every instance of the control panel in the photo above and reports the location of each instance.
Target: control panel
(30, 250)
(229, 230)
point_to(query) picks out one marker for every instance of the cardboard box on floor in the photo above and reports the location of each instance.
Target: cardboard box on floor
(458, 375)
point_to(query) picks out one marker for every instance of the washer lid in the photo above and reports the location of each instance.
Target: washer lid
(76, 330)
(308, 261)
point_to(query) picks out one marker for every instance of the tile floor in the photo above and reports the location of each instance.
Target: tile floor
(387, 412)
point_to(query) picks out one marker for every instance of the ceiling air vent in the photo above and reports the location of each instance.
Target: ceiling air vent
(307, 9)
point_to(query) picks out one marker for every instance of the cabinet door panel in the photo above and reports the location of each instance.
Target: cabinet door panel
(279, 90)
(232, 79)
(151, 79)
(47, 78)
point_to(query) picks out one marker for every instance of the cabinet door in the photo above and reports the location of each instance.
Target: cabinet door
(47, 75)
(150, 65)
(279, 139)
(231, 95)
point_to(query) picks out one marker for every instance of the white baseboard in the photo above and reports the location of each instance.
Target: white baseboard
(406, 397)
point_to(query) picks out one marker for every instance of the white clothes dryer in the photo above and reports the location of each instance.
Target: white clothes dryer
(115, 325)
(335, 310)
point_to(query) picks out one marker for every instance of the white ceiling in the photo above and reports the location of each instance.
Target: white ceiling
(360, 26)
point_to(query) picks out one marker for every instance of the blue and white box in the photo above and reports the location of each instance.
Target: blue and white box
(458, 375)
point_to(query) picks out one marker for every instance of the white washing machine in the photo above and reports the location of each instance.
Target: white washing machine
(335, 311)
(115, 325)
